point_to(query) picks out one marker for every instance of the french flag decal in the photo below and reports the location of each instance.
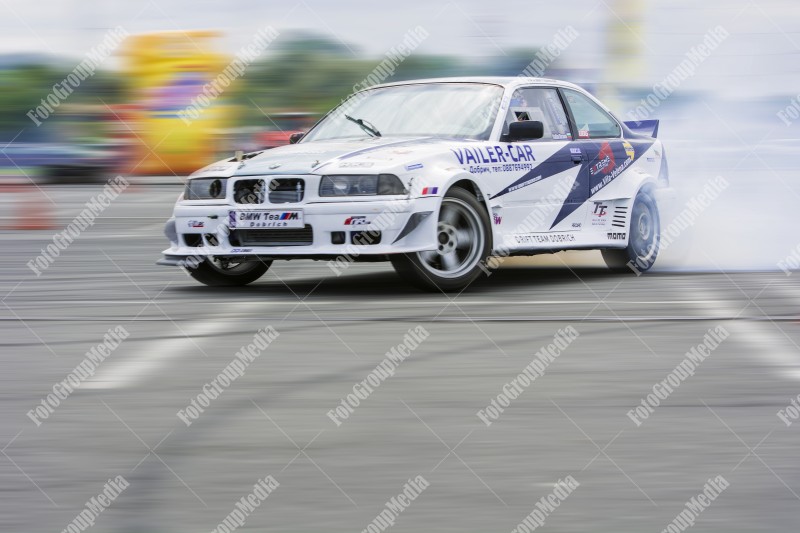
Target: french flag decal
(430, 190)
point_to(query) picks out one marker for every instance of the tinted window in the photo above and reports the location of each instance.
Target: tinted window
(592, 121)
(543, 105)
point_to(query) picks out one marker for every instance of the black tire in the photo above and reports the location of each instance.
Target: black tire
(465, 240)
(215, 274)
(644, 239)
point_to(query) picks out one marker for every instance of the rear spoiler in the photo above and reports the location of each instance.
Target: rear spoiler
(648, 128)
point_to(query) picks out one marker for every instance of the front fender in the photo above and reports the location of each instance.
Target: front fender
(482, 194)
(442, 180)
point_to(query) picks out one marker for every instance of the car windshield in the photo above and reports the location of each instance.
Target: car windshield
(462, 110)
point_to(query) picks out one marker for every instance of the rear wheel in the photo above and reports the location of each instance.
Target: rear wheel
(463, 241)
(644, 239)
(219, 273)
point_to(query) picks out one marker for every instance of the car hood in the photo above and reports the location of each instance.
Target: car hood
(321, 156)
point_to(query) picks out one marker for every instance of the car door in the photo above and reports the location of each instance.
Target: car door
(598, 137)
(535, 188)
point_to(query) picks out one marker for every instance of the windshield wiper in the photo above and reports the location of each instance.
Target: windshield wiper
(366, 126)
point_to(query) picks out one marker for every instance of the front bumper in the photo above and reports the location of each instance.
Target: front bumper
(384, 227)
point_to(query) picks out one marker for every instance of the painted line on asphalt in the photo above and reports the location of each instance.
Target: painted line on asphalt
(55, 302)
(421, 318)
(763, 337)
(155, 354)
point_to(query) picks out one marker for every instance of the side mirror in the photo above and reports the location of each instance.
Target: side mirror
(525, 130)
(295, 137)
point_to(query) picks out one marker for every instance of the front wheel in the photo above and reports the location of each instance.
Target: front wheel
(218, 273)
(644, 239)
(463, 240)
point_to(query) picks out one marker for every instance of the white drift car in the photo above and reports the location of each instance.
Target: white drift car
(435, 176)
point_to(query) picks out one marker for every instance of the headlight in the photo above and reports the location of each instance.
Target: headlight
(361, 185)
(205, 189)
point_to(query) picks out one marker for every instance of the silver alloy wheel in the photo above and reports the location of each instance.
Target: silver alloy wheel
(643, 238)
(459, 238)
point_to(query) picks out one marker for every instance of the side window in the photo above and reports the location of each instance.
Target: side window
(543, 105)
(592, 121)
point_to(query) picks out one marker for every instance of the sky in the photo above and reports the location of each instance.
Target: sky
(760, 58)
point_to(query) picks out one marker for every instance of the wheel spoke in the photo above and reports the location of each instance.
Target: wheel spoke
(429, 256)
(450, 261)
(448, 215)
(464, 239)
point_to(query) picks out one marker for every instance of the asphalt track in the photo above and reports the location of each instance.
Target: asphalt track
(333, 331)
